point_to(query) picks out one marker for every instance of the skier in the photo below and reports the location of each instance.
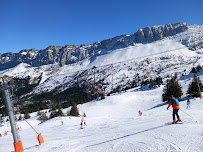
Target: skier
(188, 104)
(175, 105)
(140, 113)
(81, 124)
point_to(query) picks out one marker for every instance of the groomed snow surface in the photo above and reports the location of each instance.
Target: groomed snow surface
(114, 125)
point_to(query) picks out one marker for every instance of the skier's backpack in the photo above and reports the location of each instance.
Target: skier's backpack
(176, 101)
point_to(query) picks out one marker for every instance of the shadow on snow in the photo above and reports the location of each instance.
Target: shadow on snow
(127, 136)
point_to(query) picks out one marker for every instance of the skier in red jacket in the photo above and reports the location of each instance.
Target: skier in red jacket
(175, 105)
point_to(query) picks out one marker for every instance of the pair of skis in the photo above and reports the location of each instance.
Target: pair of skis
(176, 122)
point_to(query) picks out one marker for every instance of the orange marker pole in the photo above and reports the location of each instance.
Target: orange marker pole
(40, 139)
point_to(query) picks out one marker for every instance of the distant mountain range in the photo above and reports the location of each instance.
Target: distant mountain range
(69, 54)
(60, 73)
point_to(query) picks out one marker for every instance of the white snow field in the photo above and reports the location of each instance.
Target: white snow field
(114, 125)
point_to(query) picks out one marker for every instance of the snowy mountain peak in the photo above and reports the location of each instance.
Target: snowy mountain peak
(69, 54)
(116, 65)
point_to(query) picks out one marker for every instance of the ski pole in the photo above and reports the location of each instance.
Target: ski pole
(189, 115)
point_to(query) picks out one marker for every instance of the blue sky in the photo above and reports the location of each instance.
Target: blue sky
(26, 24)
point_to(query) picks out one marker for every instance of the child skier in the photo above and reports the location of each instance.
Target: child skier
(83, 124)
(188, 104)
(175, 105)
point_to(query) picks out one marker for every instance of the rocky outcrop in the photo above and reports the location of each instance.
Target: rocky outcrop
(71, 53)
(150, 34)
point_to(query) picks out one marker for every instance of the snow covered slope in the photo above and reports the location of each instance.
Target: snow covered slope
(119, 67)
(160, 58)
(113, 125)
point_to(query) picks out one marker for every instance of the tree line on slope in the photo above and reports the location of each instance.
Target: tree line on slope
(173, 88)
(82, 93)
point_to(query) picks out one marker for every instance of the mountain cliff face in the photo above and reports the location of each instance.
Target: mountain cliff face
(150, 34)
(71, 53)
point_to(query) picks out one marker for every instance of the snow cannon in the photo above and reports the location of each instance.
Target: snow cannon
(9, 107)
(40, 139)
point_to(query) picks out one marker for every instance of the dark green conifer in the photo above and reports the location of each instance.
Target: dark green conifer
(27, 115)
(74, 110)
(172, 88)
(20, 117)
(59, 113)
(42, 116)
(195, 87)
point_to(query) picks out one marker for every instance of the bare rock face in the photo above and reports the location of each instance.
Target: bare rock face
(71, 53)
(150, 34)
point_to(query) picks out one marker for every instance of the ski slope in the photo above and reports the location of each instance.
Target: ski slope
(114, 125)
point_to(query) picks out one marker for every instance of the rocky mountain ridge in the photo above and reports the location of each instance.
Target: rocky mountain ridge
(69, 54)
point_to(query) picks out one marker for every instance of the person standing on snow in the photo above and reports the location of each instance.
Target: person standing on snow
(175, 105)
(140, 113)
(81, 124)
(188, 104)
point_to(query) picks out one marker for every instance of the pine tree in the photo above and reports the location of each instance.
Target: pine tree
(195, 87)
(59, 113)
(198, 68)
(102, 96)
(1, 119)
(74, 110)
(68, 113)
(53, 114)
(42, 116)
(172, 88)
(38, 113)
(193, 70)
(159, 81)
(27, 115)
(84, 115)
(20, 117)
